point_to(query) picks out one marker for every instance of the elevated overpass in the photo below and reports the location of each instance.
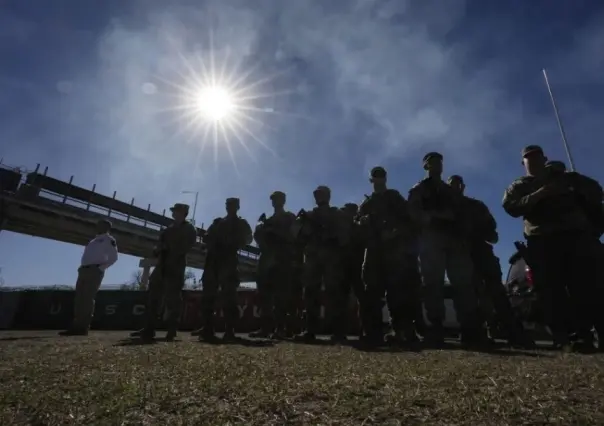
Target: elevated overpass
(35, 204)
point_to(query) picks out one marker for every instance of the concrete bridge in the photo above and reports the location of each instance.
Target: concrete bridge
(38, 205)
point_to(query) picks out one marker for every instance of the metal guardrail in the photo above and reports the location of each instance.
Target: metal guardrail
(94, 208)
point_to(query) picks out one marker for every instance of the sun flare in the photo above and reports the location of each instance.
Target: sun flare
(222, 102)
(214, 102)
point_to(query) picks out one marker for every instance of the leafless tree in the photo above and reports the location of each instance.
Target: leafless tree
(136, 281)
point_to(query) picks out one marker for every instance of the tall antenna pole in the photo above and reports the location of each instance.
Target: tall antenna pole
(560, 126)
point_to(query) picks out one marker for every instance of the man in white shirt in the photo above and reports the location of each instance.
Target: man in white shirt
(99, 254)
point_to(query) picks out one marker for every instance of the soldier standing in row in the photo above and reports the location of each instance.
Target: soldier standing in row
(324, 234)
(275, 239)
(168, 277)
(390, 266)
(562, 249)
(353, 257)
(493, 298)
(444, 248)
(224, 238)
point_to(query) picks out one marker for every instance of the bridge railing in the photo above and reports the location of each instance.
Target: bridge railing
(43, 186)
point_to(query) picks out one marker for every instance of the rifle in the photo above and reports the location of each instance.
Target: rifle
(318, 228)
(522, 252)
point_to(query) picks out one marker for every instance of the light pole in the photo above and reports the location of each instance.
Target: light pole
(194, 205)
(559, 120)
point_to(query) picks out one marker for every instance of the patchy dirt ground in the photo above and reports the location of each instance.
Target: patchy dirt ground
(104, 380)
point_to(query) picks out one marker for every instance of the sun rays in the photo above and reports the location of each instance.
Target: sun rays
(216, 100)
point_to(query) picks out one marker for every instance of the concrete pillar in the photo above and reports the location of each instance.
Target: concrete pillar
(146, 264)
(145, 277)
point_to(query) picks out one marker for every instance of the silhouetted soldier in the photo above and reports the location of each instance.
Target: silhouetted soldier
(391, 264)
(324, 231)
(168, 277)
(354, 255)
(224, 238)
(561, 245)
(444, 248)
(276, 241)
(487, 269)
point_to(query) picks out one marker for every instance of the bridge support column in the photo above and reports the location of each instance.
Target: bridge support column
(145, 277)
(146, 264)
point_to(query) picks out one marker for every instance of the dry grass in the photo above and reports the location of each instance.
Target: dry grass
(46, 380)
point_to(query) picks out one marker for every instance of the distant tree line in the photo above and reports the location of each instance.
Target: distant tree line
(136, 281)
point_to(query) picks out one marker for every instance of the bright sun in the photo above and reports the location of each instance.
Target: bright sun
(214, 102)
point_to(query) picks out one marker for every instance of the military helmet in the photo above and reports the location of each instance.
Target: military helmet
(378, 172)
(432, 155)
(531, 149)
(455, 177)
(278, 195)
(180, 207)
(322, 188)
(556, 165)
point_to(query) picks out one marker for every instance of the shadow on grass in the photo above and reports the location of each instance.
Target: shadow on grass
(240, 341)
(495, 349)
(13, 339)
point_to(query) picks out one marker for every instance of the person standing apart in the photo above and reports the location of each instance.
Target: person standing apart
(100, 253)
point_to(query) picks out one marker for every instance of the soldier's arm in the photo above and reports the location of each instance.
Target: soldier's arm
(416, 205)
(589, 188)
(288, 227)
(517, 203)
(259, 232)
(185, 242)
(246, 234)
(403, 211)
(210, 235)
(490, 224)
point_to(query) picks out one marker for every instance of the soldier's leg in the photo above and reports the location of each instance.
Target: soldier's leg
(175, 283)
(433, 262)
(406, 303)
(583, 273)
(354, 276)
(155, 295)
(295, 302)
(282, 294)
(209, 293)
(336, 300)
(460, 270)
(497, 293)
(228, 287)
(265, 297)
(374, 294)
(548, 263)
(87, 286)
(313, 276)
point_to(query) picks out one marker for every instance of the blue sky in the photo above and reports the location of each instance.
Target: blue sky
(338, 87)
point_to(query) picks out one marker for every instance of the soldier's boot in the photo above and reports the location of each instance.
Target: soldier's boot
(562, 342)
(435, 334)
(207, 334)
(229, 334)
(147, 335)
(306, 337)
(265, 331)
(137, 333)
(338, 338)
(519, 337)
(171, 335)
(197, 332)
